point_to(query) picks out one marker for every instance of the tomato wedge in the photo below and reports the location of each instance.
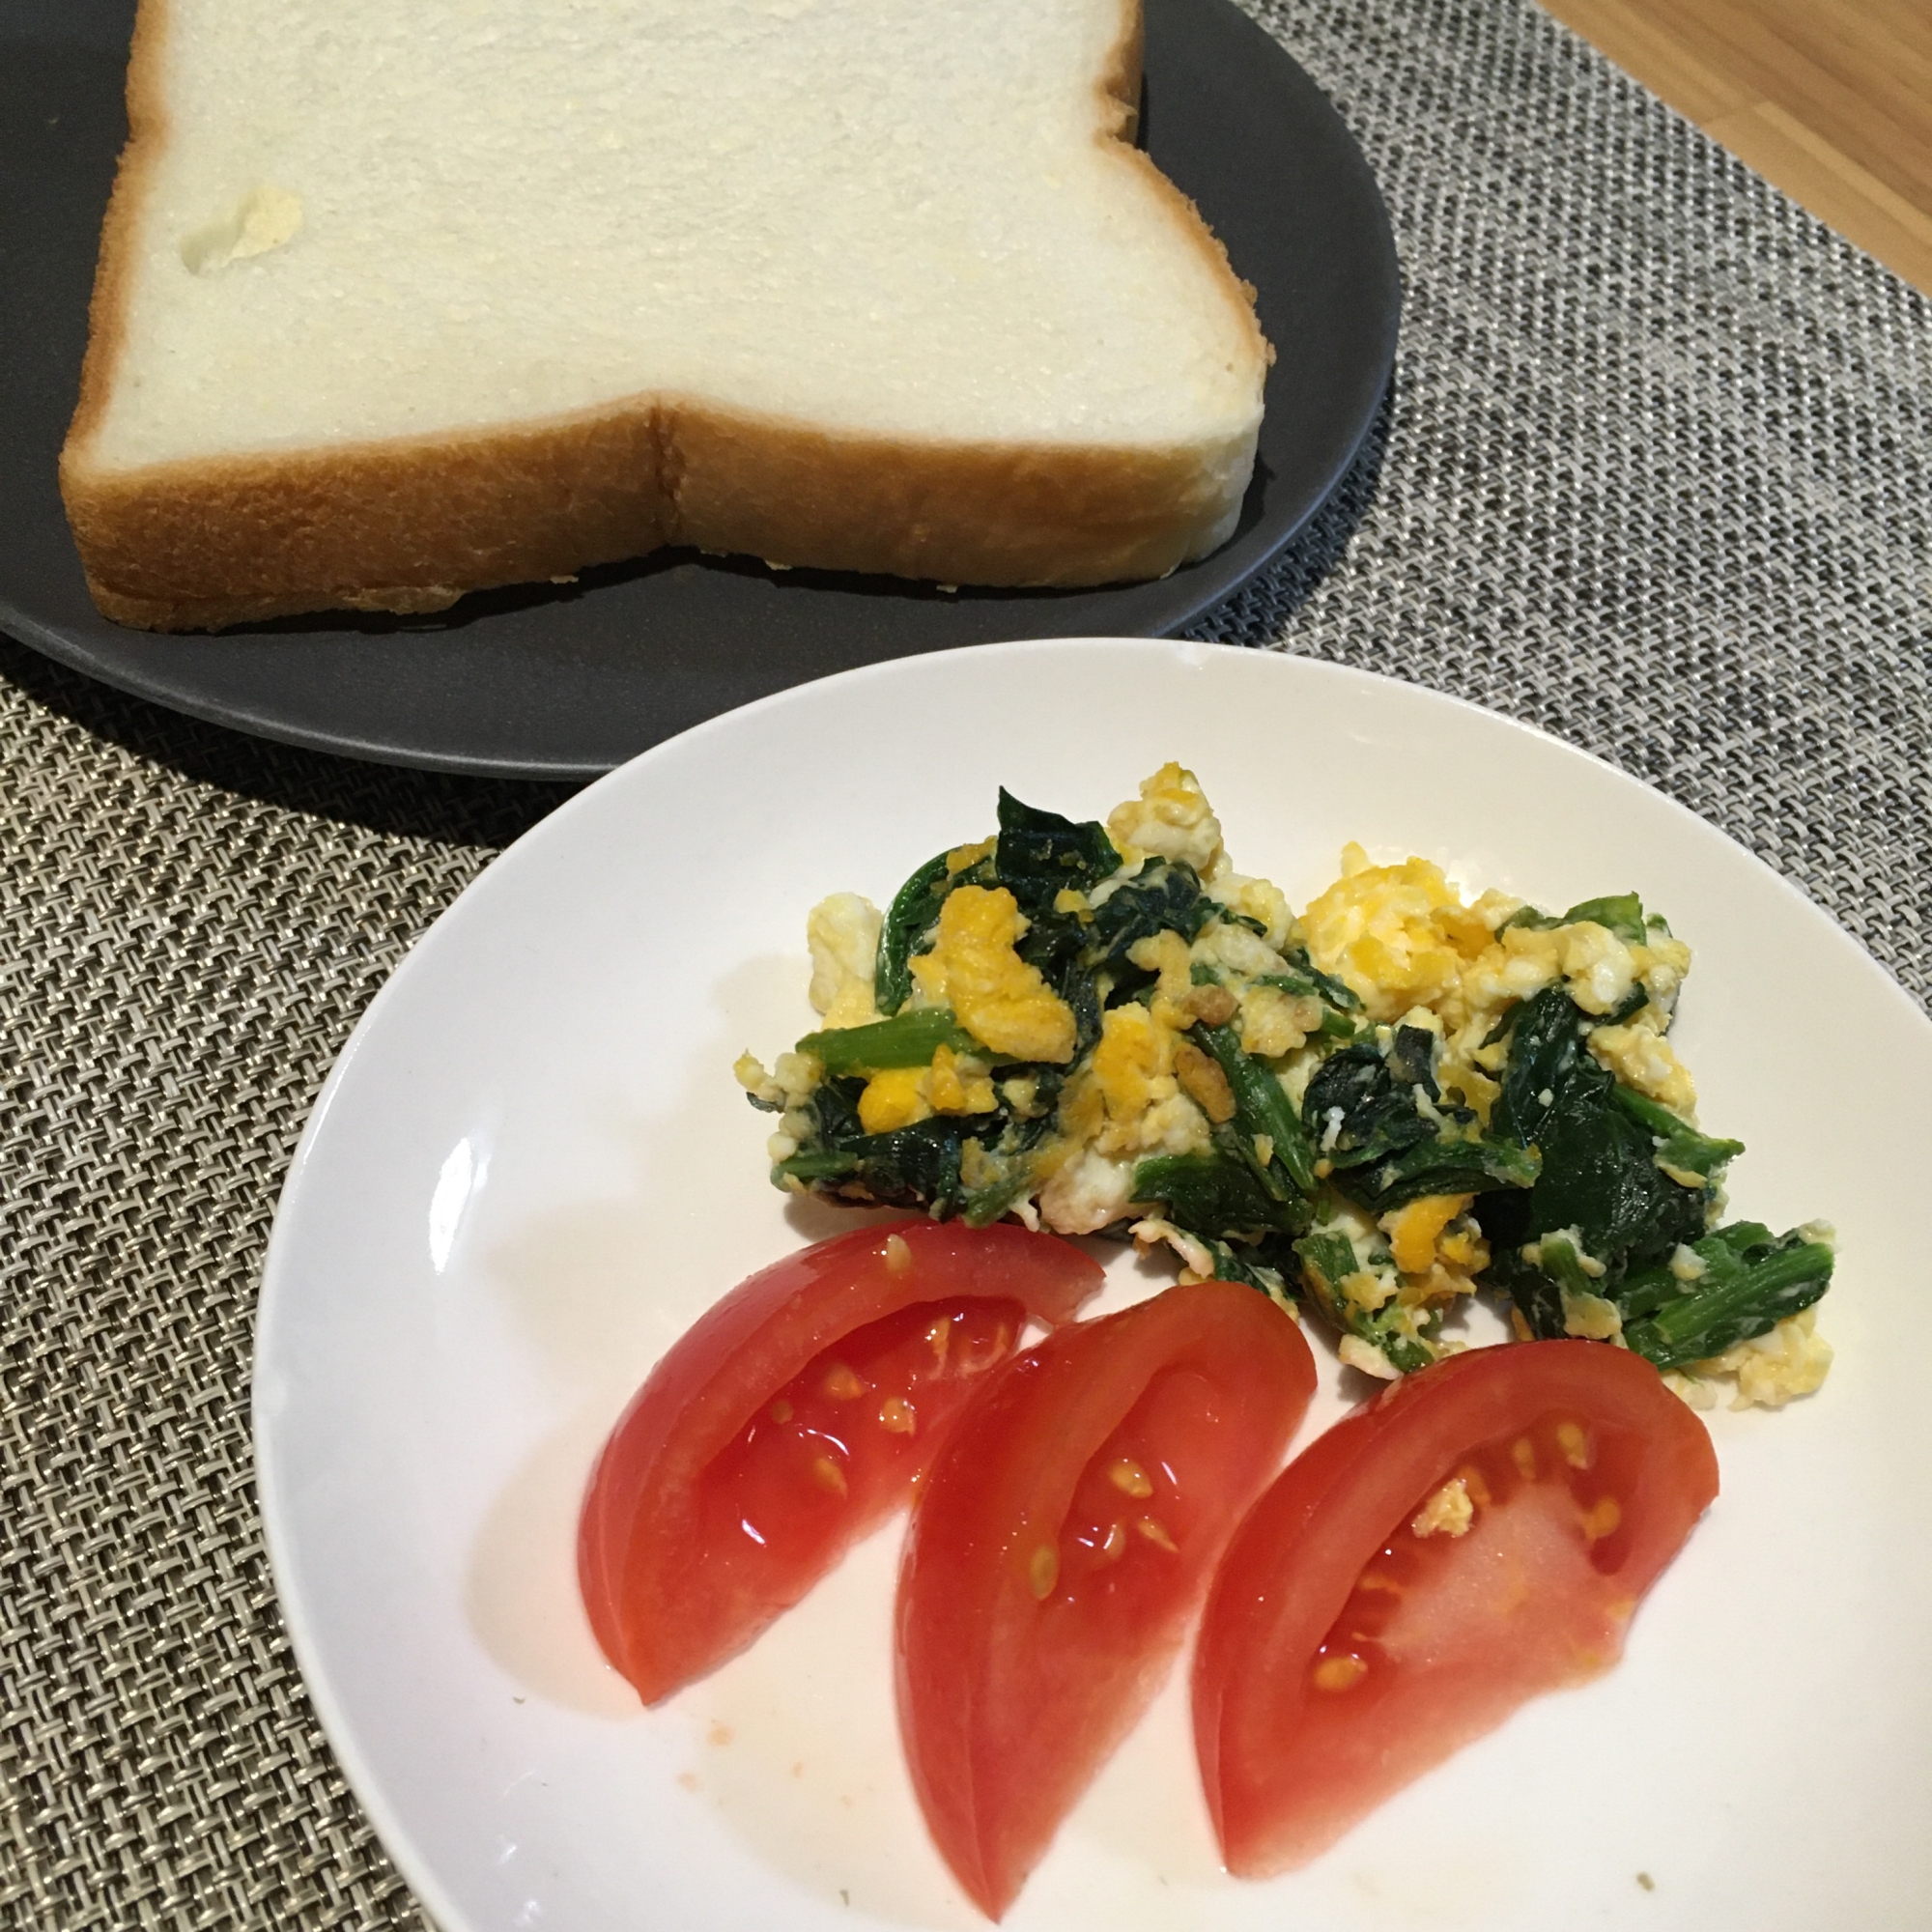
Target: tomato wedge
(787, 1421)
(1059, 1546)
(1478, 1534)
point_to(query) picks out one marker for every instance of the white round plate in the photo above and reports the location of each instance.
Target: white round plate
(532, 1168)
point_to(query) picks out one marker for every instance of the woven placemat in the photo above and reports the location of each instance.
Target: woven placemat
(1654, 475)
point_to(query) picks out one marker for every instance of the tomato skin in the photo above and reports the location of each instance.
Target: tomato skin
(1319, 1688)
(1059, 1546)
(676, 1576)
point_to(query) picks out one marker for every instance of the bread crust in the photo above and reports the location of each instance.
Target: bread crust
(410, 525)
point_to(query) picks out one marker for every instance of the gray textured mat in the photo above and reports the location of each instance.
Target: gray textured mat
(1656, 476)
(1653, 476)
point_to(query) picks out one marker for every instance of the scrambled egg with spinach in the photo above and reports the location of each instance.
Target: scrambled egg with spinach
(1377, 1109)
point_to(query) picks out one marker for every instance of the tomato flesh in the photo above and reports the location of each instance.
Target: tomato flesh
(1059, 1547)
(792, 1418)
(1479, 1534)
(846, 1437)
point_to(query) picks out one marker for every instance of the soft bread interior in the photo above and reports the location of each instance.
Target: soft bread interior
(909, 219)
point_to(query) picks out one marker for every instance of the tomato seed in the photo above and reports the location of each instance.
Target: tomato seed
(897, 1416)
(1471, 1479)
(1523, 1453)
(1575, 1445)
(781, 1410)
(1339, 1673)
(1601, 1519)
(1130, 1479)
(983, 1352)
(1044, 1572)
(1116, 1542)
(829, 1475)
(841, 1384)
(1155, 1533)
(899, 1255)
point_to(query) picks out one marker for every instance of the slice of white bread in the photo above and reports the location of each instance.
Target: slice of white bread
(399, 298)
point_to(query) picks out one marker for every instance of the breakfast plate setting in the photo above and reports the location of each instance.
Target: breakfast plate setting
(532, 1168)
(985, 1262)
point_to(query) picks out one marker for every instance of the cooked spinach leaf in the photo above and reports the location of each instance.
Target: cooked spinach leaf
(1303, 978)
(1165, 894)
(1599, 1176)
(1055, 944)
(986, 1204)
(1214, 1194)
(906, 1039)
(1545, 1040)
(1631, 1178)
(1248, 1266)
(1448, 1164)
(1328, 1262)
(811, 1164)
(916, 1166)
(1678, 1143)
(1753, 1280)
(1003, 1170)
(1261, 1107)
(1621, 913)
(1339, 1005)
(1039, 853)
(1360, 1106)
(1379, 1118)
(914, 908)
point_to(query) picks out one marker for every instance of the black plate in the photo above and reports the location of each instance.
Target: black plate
(549, 683)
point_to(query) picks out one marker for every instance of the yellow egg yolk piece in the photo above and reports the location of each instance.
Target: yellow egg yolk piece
(994, 994)
(1135, 1052)
(1413, 1230)
(958, 1087)
(1398, 936)
(902, 1094)
(1171, 819)
(895, 1098)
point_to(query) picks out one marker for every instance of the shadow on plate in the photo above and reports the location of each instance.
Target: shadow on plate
(492, 812)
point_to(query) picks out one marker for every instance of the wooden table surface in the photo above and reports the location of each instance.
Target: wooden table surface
(1831, 99)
